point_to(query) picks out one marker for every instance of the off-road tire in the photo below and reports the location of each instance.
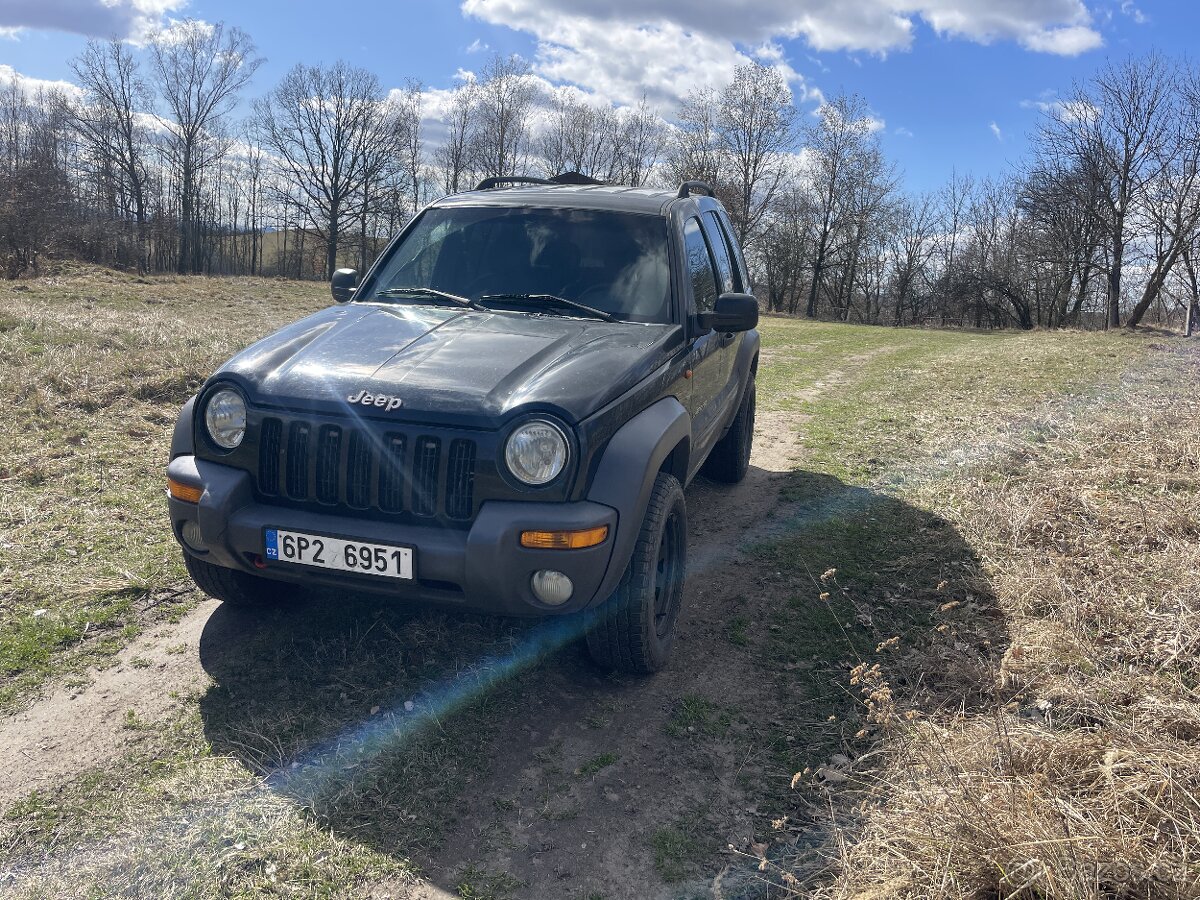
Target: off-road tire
(730, 459)
(635, 630)
(233, 587)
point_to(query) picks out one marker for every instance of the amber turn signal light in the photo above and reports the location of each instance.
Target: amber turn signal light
(185, 492)
(564, 540)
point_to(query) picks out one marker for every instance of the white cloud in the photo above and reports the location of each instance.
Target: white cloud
(1129, 8)
(901, 131)
(477, 46)
(32, 86)
(1049, 103)
(995, 129)
(1069, 41)
(663, 48)
(125, 19)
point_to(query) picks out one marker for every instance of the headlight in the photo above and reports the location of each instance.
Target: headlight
(225, 417)
(536, 452)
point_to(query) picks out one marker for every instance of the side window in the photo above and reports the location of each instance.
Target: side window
(740, 275)
(716, 240)
(700, 267)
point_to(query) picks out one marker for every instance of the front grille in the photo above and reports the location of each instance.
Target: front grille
(358, 469)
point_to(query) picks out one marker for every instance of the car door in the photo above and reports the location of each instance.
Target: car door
(727, 344)
(704, 356)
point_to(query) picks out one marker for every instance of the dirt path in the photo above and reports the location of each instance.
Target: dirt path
(75, 729)
(559, 828)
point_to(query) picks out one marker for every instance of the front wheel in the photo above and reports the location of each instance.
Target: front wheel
(635, 630)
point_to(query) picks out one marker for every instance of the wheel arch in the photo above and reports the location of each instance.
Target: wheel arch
(658, 439)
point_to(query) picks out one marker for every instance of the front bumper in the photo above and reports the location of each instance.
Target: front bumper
(483, 567)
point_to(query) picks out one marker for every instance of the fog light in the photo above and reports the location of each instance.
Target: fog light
(552, 588)
(192, 536)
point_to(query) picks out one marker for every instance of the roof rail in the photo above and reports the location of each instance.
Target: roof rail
(699, 187)
(488, 183)
(574, 178)
(564, 178)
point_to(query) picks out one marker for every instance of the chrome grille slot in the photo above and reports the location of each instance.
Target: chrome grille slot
(329, 452)
(358, 471)
(391, 475)
(268, 456)
(460, 479)
(297, 461)
(426, 461)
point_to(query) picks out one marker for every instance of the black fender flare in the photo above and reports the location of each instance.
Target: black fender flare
(625, 477)
(183, 438)
(746, 363)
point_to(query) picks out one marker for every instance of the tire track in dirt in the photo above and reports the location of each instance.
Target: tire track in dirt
(563, 832)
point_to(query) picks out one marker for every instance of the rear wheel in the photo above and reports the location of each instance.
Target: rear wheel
(236, 588)
(636, 627)
(730, 459)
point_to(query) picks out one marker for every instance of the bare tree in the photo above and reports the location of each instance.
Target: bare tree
(639, 143)
(454, 157)
(1172, 202)
(109, 119)
(694, 149)
(504, 98)
(1117, 127)
(841, 145)
(410, 108)
(332, 134)
(199, 69)
(754, 119)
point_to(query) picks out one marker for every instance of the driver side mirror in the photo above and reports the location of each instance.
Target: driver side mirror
(735, 312)
(343, 285)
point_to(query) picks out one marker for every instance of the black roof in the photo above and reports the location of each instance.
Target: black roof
(569, 196)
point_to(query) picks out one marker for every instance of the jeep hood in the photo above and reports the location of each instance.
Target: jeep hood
(449, 365)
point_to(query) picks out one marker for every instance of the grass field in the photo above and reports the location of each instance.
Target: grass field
(956, 657)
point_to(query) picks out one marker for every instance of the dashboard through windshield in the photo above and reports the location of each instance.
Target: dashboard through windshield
(610, 261)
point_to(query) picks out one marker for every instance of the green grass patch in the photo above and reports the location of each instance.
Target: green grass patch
(681, 848)
(597, 763)
(695, 714)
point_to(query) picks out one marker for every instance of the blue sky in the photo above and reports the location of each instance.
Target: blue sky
(955, 83)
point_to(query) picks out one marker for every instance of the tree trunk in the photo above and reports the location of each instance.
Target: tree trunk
(1113, 319)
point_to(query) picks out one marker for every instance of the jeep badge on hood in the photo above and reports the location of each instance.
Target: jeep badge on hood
(383, 401)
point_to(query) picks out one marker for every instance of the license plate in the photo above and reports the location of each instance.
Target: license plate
(324, 552)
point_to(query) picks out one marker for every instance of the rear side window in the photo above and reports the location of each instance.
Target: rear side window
(700, 267)
(739, 264)
(720, 226)
(716, 240)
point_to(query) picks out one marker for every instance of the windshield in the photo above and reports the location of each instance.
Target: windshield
(611, 261)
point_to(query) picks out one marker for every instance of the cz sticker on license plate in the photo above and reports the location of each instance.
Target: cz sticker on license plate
(324, 552)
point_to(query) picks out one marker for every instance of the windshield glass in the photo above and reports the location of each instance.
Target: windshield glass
(611, 261)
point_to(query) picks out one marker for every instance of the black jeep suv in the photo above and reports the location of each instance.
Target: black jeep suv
(501, 415)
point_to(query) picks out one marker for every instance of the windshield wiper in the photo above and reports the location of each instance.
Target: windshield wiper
(554, 300)
(427, 293)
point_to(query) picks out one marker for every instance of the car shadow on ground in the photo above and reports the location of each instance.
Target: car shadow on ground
(416, 731)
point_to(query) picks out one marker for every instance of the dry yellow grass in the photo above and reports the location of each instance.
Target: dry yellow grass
(1053, 747)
